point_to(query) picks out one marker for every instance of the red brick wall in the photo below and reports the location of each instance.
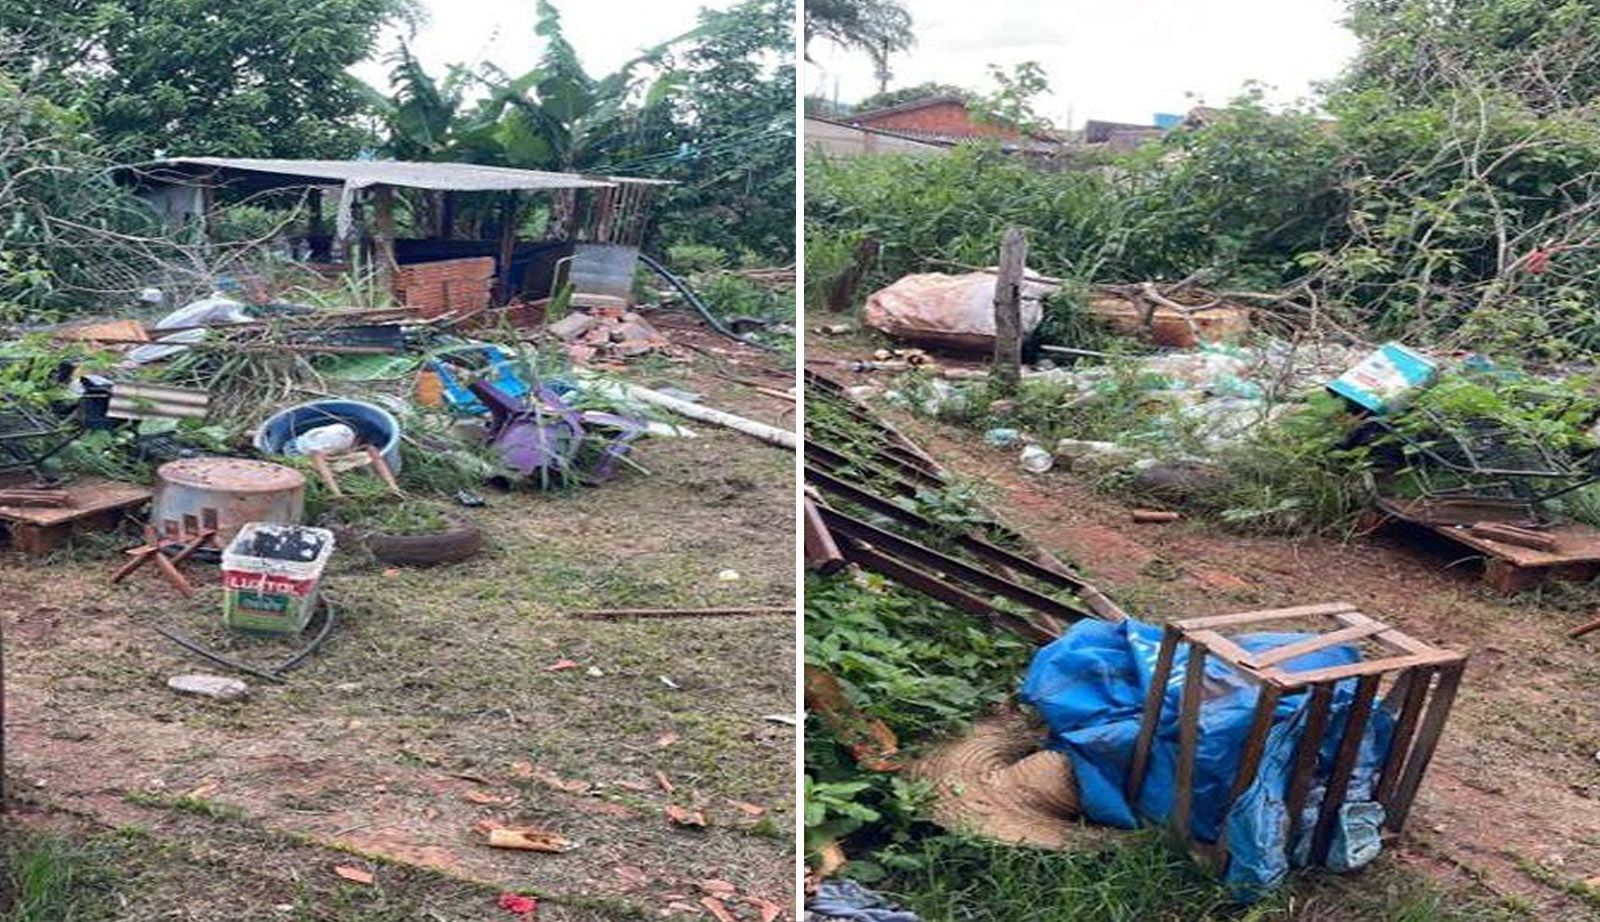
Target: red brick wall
(949, 118)
(446, 285)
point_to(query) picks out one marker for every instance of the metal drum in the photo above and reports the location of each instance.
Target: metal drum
(225, 494)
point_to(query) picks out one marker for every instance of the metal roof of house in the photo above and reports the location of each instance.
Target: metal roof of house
(451, 177)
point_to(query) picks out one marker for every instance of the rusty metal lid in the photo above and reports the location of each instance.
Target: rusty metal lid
(231, 475)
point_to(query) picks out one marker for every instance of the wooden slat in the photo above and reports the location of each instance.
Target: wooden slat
(1427, 740)
(1363, 668)
(1305, 756)
(1188, 739)
(1152, 714)
(1412, 696)
(1344, 766)
(1312, 644)
(1221, 646)
(1270, 614)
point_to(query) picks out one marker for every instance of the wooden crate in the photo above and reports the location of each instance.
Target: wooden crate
(1421, 684)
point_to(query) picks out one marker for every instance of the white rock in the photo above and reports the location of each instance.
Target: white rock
(219, 687)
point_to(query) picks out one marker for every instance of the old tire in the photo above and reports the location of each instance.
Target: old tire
(459, 542)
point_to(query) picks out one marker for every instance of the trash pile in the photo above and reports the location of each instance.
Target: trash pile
(267, 436)
(608, 334)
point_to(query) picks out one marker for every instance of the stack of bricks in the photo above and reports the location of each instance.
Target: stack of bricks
(445, 286)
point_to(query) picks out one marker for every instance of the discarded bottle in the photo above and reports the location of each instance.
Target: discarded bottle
(1036, 460)
(1001, 437)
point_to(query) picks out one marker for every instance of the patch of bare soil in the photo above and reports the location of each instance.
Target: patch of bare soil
(1511, 800)
(443, 701)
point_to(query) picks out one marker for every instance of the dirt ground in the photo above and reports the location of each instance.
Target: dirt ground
(1510, 802)
(444, 699)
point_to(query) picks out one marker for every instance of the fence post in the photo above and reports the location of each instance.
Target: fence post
(1007, 371)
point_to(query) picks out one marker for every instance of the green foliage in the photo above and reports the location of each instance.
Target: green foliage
(61, 207)
(730, 296)
(733, 136)
(1542, 51)
(1292, 476)
(1012, 102)
(173, 76)
(918, 665)
(51, 879)
(710, 110)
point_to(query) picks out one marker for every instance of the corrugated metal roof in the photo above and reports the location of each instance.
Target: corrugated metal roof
(453, 177)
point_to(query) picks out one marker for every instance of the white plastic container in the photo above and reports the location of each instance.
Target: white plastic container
(264, 594)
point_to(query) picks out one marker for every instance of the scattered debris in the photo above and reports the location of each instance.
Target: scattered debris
(527, 839)
(517, 904)
(683, 816)
(221, 688)
(353, 874)
(754, 611)
(608, 333)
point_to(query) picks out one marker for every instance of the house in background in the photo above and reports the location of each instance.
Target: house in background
(935, 118)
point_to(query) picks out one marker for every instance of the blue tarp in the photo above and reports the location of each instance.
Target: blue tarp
(1090, 684)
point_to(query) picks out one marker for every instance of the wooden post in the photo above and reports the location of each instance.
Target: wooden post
(1007, 373)
(383, 237)
(508, 246)
(842, 291)
(447, 215)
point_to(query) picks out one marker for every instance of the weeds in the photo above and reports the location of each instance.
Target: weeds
(51, 879)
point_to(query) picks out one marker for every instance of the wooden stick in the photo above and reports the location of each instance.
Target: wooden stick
(1188, 739)
(319, 463)
(1153, 516)
(1344, 764)
(1583, 629)
(1153, 699)
(384, 473)
(755, 611)
(140, 558)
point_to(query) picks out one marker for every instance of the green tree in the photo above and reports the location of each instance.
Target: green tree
(734, 123)
(877, 27)
(245, 78)
(1544, 52)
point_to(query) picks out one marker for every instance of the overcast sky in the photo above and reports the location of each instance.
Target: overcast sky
(1120, 60)
(605, 33)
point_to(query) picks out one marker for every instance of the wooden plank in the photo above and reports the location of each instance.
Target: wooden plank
(1305, 756)
(1291, 651)
(1269, 614)
(1188, 739)
(1151, 719)
(1363, 668)
(1412, 690)
(821, 550)
(1427, 740)
(88, 495)
(1222, 647)
(1344, 766)
(1577, 544)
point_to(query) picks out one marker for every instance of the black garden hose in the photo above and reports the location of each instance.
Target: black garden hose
(699, 305)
